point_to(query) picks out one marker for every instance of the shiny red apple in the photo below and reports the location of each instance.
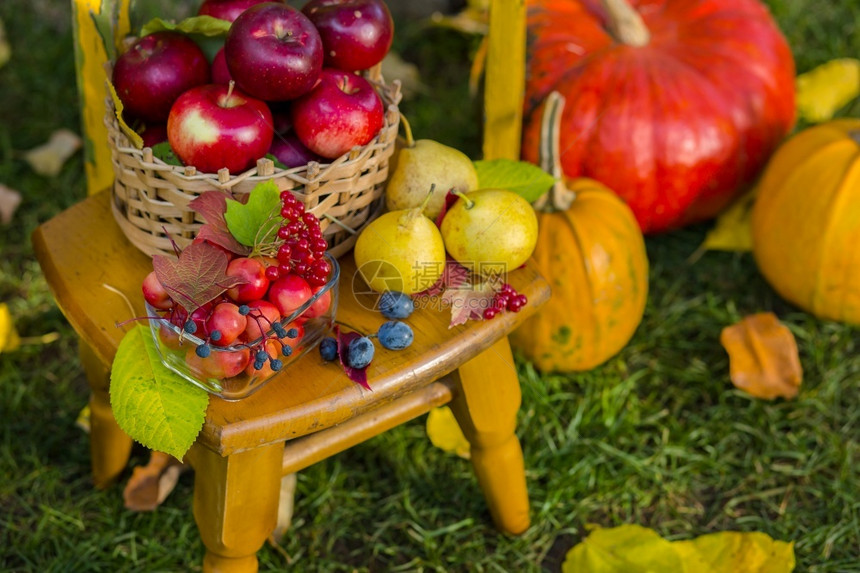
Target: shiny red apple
(215, 126)
(155, 71)
(274, 52)
(220, 71)
(342, 111)
(356, 34)
(226, 9)
(287, 148)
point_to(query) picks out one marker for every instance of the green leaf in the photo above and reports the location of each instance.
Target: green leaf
(150, 402)
(164, 152)
(522, 177)
(276, 161)
(202, 25)
(257, 221)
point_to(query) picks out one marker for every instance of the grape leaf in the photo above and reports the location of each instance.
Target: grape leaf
(357, 375)
(203, 25)
(164, 152)
(257, 221)
(150, 402)
(468, 301)
(197, 276)
(524, 178)
(212, 205)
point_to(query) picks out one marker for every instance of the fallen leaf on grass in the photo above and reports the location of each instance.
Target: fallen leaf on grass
(763, 357)
(732, 230)
(445, 433)
(9, 201)
(9, 339)
(48, 159)
(822, 91)
(5, 48)
(150, 485)
(629, 548)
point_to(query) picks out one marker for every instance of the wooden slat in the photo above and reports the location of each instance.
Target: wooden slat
(504, 87)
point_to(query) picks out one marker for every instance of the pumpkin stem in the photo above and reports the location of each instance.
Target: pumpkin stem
(625, 23)
(559, 197)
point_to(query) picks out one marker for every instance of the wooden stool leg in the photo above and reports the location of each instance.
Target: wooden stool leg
(486, 405)
(235, 504)
(110, 447)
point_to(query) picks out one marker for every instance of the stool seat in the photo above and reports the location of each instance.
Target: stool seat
(306, 412)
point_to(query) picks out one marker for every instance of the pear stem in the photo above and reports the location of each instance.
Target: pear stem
(461, 195)
(410, 141)
(427, 197)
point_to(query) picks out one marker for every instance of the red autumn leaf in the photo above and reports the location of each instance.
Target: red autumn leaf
(197, 276)
(469, 301)
(357, 375)
(450, 199)
(453, 275)
(211, 205)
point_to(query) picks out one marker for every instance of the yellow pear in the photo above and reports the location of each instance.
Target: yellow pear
(401, 251)
(492, 231)
(418, 165)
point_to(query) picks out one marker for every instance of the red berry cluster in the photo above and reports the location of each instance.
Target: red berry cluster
(506, 299)
(303, 249)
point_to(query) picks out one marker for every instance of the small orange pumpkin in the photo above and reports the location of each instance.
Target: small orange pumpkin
(806, 221)
(592, 251)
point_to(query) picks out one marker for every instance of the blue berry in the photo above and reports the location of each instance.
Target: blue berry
(244, 309)
(279, 329)
(258, 364)
(190, 327)
(261, 355)
(276, 364)
(203, 350)
(215, 335)
(360, 352)
(395, 335)
(286, 350)
(292, 333)
(393, 304)
(328, 349)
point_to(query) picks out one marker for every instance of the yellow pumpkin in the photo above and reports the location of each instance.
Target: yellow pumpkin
(592, 252)
(806, 221)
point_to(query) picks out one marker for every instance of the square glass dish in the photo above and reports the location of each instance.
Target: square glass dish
(237, 370)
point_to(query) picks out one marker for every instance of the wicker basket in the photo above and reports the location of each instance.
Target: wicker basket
(150, 197)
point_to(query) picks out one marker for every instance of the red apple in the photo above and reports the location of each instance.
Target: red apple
(215, 126)
(291, 152)
(226, 9)
(154, 292)
(274, 52)
(321, 305)
(227, 321)
(342, 111)
(219, 364)
(153, 134)
(356, 34)
(220, 72)
(253, 273)
(263, 314)
(155, 71)
(289, 293)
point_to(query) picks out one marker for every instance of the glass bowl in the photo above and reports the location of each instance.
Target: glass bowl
(236, 371)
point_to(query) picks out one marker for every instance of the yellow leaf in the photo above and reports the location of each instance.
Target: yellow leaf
(5, 49)
(763, 356)
(48, 159)
(822, 91)
(9, 201)
(736, 552)
(9, 339)
(444, 432)
(132, 135)
(623, 549)
(636, 549)
(732, 231)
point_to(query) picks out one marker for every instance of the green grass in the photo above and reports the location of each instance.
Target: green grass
(657, 436)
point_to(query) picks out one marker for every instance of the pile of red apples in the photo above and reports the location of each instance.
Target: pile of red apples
(286, 82)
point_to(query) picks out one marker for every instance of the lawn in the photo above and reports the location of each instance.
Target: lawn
(657, 436)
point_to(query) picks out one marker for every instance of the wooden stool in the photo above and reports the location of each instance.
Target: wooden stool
(311, 410)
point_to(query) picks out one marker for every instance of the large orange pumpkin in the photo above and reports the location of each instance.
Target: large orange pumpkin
(592, 252)
(675, 105)
(806, 221)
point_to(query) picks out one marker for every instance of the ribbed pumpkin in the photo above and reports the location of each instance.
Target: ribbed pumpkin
(592, 252)
(676, 105)
(806, 221)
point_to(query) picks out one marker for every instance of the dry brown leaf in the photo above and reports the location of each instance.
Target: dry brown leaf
(763, 356)
(9, 201)
(48, 159)
(150, 485)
